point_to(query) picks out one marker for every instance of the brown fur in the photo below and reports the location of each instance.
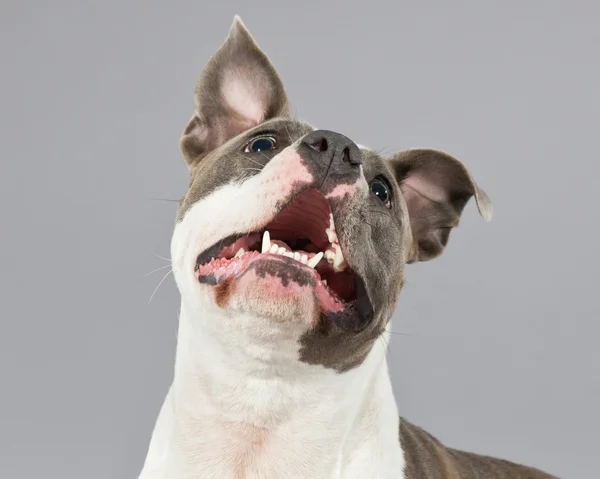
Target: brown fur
(427, 458)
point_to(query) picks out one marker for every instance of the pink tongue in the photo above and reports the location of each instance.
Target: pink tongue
(230, 251)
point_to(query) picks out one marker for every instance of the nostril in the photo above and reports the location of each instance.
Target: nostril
(318, 144)
(346, 155)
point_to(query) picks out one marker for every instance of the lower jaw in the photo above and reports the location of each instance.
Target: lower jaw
(350, 316)
(282, 277)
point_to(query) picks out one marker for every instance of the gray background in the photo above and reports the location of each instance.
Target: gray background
(500, 353)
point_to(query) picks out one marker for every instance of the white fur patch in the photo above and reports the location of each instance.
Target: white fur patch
(226, 417)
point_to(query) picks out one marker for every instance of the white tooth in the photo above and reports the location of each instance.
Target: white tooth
(330, 256)
(274, 248)
(240, 252)
(266, 243)
(324, 282)
(304, 258)
(297, 256)
(281, 250)
(340, 263)
(315, 260)
(331, 235)
(288, 254)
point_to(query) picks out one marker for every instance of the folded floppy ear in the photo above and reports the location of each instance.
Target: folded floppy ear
(436, 187)
(237, 90)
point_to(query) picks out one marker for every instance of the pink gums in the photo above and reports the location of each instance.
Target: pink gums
(227, 269)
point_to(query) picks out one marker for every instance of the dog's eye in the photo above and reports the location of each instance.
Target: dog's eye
(381, 190)
(257, 145)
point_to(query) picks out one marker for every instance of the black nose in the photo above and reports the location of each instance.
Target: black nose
(331, 153)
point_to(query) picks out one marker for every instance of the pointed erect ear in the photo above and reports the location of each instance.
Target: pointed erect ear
(237, 90)
(436, 187)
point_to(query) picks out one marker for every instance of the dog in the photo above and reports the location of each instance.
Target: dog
(289, 251)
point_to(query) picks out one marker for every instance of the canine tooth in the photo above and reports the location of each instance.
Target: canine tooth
(331, 235)
(304, 258)
(273, 249)
(315, 260)
(339, 263)
(266, 242)
(240, 252)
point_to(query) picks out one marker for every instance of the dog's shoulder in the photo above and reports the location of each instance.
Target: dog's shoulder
(427, 458)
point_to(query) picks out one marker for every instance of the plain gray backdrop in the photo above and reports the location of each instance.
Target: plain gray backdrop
(499, 352)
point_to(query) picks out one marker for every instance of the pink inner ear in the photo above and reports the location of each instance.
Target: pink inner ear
(244, 96)
(423, 185)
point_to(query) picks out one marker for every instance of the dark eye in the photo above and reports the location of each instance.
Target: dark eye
(264, 143)
(381, 190)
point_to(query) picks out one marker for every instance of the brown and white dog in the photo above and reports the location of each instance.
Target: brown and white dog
(289, 251)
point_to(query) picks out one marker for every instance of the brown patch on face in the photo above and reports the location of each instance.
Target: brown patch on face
(427, 458)
(223, 293)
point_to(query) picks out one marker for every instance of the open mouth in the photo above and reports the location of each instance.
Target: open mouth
(301, 237)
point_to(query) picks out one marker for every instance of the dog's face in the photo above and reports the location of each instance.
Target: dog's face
(295, 238)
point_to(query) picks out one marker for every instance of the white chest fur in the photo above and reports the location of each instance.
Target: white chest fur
(227, 415)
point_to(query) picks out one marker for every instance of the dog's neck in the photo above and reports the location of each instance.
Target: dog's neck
(253, 412)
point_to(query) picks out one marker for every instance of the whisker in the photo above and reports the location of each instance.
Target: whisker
(165, 199)
(398, 334)
(162, 257)
(386, 345)
(254, 161)
(157, 269)
(161, 282)
(390, 151)
(289, 134)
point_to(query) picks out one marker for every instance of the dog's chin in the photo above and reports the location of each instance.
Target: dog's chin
(274, 287)
(283, 290)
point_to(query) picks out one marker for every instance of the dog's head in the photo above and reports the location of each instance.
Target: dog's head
(294, 236)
